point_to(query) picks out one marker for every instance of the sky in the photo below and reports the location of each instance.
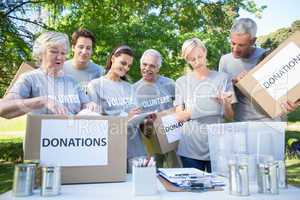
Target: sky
(278, 14)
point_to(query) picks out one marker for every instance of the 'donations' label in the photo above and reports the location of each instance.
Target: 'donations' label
(172, 128)
(74, 142)
(280, 73)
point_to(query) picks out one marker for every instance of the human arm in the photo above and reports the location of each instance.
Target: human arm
(12, 106)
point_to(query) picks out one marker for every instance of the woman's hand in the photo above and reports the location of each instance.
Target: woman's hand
(224, 98)
(183, 116)
(55, 107)
(92, 106)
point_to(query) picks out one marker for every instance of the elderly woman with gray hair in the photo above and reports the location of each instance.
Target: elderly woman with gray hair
(46, 90)
(202, 97)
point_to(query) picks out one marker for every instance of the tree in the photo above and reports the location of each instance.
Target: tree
(272, 40)
(158, 24)
(16, 36)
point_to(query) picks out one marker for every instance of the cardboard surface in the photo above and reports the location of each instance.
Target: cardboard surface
(24, 67)
(158, 139)
(259, 95)
(115, 171)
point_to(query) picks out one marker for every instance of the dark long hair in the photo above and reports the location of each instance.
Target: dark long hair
(122, 49)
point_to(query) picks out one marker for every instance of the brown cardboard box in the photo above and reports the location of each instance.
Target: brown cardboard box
(275, 79)
(158, 140)
(114, 171)
(24, 67)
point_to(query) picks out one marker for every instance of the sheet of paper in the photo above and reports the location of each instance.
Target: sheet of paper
(280, 73)
(172, 128)
(74, 142)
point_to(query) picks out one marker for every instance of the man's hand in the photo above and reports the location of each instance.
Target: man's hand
(183, 116)
(289, 106)
(239, 76)
(134, 111)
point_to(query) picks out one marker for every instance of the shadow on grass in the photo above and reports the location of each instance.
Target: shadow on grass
(294, 116)
(6, 176)
(295, 166)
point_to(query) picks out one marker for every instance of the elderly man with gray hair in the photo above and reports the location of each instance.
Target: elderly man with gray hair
(154, 92)
(243, 57)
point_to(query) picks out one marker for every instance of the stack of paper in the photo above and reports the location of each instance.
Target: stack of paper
(190, 177)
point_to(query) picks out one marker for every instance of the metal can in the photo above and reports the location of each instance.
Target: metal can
(23, 183)
(267, 178)
(238, 179)
(38, 174)
(281, 173)
(51, 181)
(233, 182)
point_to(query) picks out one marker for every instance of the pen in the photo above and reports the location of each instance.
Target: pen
(181, 174)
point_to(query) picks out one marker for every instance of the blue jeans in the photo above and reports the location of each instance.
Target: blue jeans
(203, 165)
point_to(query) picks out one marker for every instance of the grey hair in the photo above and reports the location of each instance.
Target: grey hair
(189, 45)
(48, 39)
(155, 53)
(244, 25)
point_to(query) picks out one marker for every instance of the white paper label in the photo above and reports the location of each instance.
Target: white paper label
(280, 73)
(74, 142)
(172, 128)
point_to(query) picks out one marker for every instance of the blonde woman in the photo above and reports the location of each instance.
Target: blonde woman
(202, 97)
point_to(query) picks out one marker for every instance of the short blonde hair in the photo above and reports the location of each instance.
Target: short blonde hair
(189, 45)
(48, 39)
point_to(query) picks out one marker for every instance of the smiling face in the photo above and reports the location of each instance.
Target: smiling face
(241, 45)
(53, 58)
(149, 68)
(121, 64)
(197, 58)
(82, 50)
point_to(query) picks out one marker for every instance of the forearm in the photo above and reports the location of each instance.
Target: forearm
(228, 111)
(10, 108)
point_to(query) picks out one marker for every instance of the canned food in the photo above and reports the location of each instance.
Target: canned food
(281, 173)
(38, 173)
(239, 177)
(23, 182)
(267, 179)
(51, 181)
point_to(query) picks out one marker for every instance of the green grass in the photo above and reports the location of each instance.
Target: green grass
(6, 176)
(16, 124)
(294, 116)
(293, 172)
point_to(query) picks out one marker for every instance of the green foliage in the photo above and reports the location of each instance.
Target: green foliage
(13, 51)
(290, 137)
(272, 40)
(11, 149)
(158, 24)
